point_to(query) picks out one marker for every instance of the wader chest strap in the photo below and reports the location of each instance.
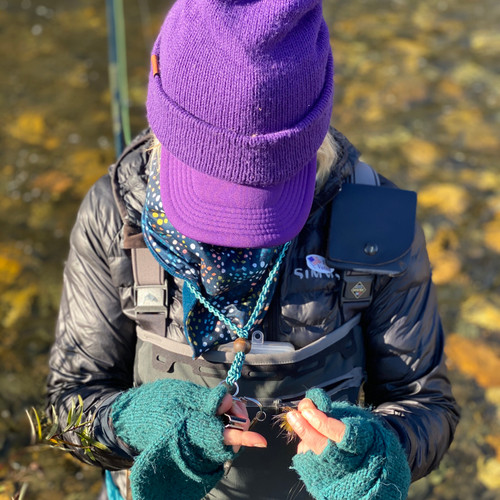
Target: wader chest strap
(150, 291)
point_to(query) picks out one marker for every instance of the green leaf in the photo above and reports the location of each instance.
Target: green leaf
(55, 418)
(32, 425)
(54, 427)
(52, 432)
(69, 419)
(38, 424)
(79, 414)
(89, 453)
(96, 444)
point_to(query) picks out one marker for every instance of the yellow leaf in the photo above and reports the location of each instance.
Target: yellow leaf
(19, 302)
(482, 312)
(450, 88)
(455, 121)
(446, 263)
(422, 156)
(8, 493)
(445, 268)
(492, 394)
(469, 124)
(449, 199)
(9, 270)
(28, 127)
(486, 41)
(52, 143)
(492, 234)
(487, 180)
(409, 53)
(86, 166)
(488, 472)
(474, 358)
(494, 441)
(11, 260)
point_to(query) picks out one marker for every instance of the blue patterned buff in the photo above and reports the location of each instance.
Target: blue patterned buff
(231, 279)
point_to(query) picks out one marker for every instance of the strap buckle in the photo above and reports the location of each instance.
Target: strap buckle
(150, 299)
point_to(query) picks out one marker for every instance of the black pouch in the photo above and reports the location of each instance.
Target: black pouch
(372, 229)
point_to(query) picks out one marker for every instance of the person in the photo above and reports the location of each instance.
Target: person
(231, 248)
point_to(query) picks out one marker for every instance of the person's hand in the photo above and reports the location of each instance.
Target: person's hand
(314, 428)
(177, 436)
(350, 451)
(235, 437)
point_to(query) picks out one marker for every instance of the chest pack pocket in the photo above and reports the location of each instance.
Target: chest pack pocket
(371, 232)
(372, 229)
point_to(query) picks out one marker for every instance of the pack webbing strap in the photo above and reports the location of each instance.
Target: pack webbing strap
(150, 291)
(364, 174)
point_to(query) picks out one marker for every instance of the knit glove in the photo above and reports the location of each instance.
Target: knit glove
(173, 427)
(367, 464)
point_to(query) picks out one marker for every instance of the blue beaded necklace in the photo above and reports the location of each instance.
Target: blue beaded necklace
(234, 372)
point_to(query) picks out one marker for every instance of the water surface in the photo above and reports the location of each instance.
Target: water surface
(417, 90)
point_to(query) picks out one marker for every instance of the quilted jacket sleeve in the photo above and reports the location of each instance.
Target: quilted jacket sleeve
(94, 347)
(407, 379)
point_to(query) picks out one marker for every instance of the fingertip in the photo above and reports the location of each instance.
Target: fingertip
(248, 439)
(292, 417)
(311, 417)
(261, 442)
(295, 420)
(305, 403)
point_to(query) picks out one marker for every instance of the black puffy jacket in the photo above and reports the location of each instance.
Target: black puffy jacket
(95, 347)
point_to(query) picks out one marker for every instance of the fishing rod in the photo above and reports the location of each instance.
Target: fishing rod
(117, 68)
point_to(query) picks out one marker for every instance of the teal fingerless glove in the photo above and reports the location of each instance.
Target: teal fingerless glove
(368, 464)
(172, 425)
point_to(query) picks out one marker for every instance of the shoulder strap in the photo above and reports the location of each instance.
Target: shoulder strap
(364, 174)
(150, 291)
(357, 287)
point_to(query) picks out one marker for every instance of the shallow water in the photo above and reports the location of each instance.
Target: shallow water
(417, 91)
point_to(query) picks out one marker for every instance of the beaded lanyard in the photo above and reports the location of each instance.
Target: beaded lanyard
(243, 346)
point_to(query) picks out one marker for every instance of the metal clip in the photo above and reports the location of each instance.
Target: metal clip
(234, 422)
(260, 416)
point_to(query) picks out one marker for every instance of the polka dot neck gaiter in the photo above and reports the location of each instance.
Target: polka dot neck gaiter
(231, 279)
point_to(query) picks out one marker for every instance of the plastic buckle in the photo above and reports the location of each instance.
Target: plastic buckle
(150, 299)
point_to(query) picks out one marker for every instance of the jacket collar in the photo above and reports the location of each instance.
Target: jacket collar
(347, 157)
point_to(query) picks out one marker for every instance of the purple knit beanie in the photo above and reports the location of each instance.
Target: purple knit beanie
(241, 102)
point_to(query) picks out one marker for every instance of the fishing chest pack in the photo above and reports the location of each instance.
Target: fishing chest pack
(371, 233)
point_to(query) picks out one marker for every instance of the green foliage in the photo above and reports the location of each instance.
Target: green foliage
(47, 429)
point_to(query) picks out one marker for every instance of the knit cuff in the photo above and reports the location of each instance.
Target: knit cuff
(141, 415)
(186, 463)
(202, 445)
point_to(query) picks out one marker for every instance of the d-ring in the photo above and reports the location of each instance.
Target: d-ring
(235, 386)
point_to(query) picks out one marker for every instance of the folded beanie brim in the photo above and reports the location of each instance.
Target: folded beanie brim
(218, 212)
